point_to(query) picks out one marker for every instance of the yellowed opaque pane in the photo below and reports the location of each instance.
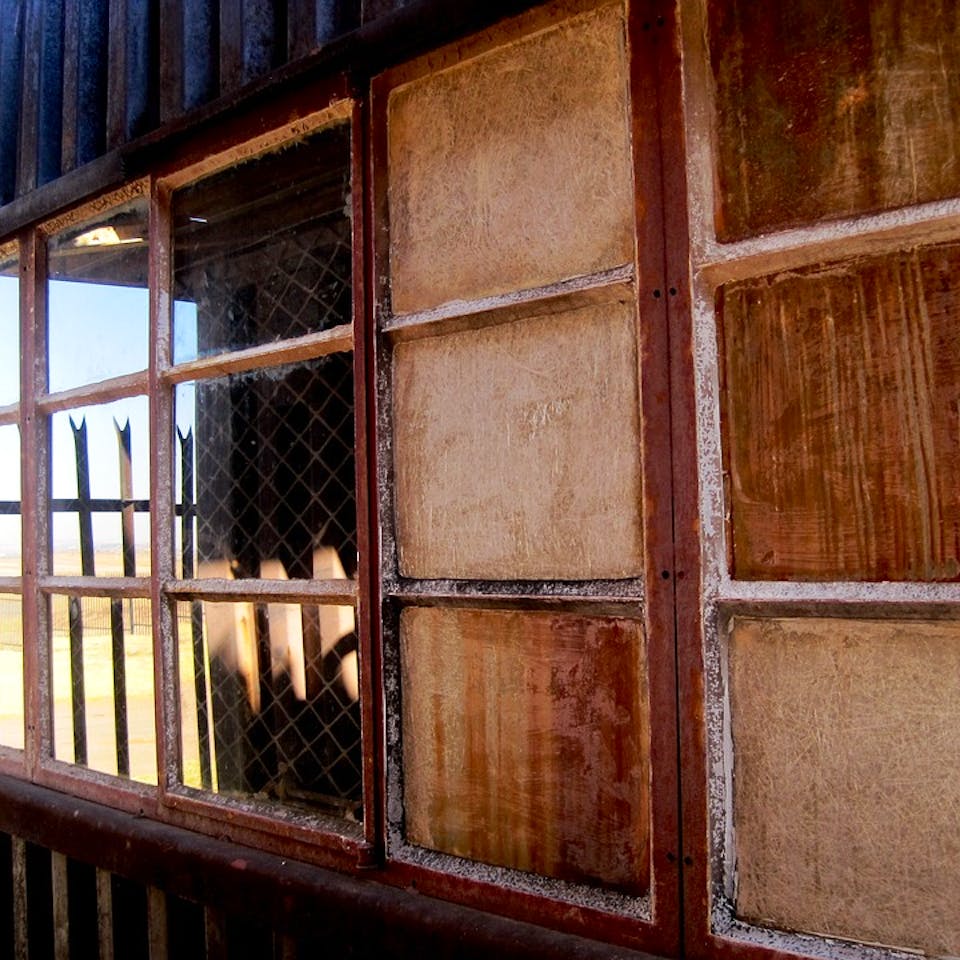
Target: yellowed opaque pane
(11, 671)
(517, 450)
(525, 741)
(830, 109)
(846, 786)
(840, 419)
(88, 728)
(512, 170)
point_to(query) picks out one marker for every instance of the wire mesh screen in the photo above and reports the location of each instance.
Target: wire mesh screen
(268, 491)
(267, 459)
(267, 478)
(285, 709)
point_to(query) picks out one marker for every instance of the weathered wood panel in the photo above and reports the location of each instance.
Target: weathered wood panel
(841, 407)
(11, 59)
(29, 89)
(512, 170)
(50, 99)
(517, 450)
(830, 109)
(93, 27)
(525, 741)
(845, 778)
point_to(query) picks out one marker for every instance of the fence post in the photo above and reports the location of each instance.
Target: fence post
(187, 515)
(116, 604)
(76, 615)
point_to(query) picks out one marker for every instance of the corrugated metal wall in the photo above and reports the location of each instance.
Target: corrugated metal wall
(81, 77)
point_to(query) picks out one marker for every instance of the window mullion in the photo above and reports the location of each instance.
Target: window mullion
(35, 480)
(161, 487)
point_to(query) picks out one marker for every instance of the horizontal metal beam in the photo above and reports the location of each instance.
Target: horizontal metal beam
(354, 915)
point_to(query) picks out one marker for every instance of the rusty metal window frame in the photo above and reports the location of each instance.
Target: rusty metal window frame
(650, 920)
(317, 837)
(12, 759)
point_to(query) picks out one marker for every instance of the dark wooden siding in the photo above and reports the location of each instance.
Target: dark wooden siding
(79, 78)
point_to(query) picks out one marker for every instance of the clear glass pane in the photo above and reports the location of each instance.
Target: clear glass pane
(262, 250)
(270, 473)
(269, 703)
(9, 326)
(10, 501)
(98, 309)
(103, 702)
(100, 489)
(11, 671)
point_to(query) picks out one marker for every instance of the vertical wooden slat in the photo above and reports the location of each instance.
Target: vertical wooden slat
(105, 914)
(215, 931)
(51, 93)
(171, 59)
(117, 74)
(157, 924)
(11, 31)
(93, 29)
(71, 56)
(263, 45)
(336, 17)
(143, 68)
(20, 930)
(201, 52)
(302, 22)
(231, 44)
(61, 906)
(29, 95)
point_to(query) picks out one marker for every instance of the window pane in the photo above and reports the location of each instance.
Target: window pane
(269, 700)
(844, 785)
(512, 170)
(841, 419)
(100, 488)
(9, 327)
(273, 473)
(262, 250)
(102, 672)
(98, 310)
(11, 671)
(10, 501)
(525, 741)
(521, 441)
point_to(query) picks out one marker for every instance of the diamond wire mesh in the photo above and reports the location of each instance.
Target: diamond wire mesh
(276, 482)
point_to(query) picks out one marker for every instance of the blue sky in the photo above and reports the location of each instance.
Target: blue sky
(96, 331)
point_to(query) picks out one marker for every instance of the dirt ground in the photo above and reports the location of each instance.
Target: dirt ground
(98, 680)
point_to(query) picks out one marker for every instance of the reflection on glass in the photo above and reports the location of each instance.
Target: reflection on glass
(262, 250)
(9, 326)
(11, 672)
(266, 473)
(100, 489)
(98, 303)
(269, 703)
(10, 501)
(102, 672)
